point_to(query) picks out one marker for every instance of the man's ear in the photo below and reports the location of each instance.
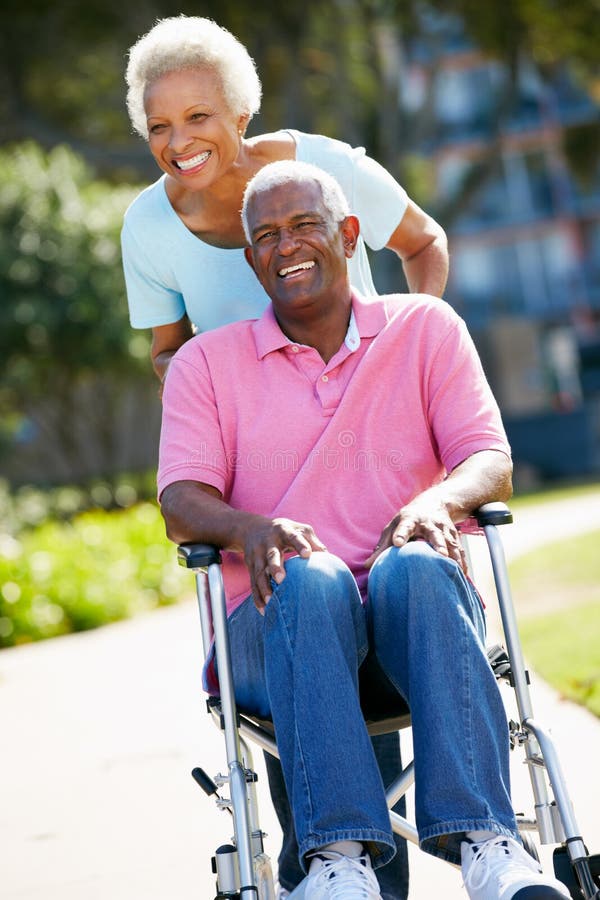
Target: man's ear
(250, 259)
(350, 228)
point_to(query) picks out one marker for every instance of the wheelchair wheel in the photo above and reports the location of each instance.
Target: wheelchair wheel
(530, 845)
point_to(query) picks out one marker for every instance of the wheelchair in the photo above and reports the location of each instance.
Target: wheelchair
(243, 869)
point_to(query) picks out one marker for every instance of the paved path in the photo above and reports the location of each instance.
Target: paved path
(100, 731)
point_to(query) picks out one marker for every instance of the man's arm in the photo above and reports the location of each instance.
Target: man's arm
(194, 511)
(422, 246)
(433, 514)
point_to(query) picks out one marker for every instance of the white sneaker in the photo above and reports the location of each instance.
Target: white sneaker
(333, 876)
(501, 869)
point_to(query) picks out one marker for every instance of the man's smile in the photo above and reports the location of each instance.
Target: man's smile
(288, 271)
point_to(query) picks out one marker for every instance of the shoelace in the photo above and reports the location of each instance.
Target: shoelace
(492, 856)
(341, 873)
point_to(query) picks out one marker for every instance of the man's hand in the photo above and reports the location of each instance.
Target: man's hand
(264, 546)
(425, 518)
(196, 512)
(431, 515)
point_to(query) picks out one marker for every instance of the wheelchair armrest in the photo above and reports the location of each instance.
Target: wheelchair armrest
(495, 513)
(197, 556)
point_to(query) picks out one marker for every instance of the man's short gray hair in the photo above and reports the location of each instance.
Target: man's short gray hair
(188, 42)
(286, 171)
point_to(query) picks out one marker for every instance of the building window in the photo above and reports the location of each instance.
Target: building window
(464, 104)
(485, 283)
(478, 192)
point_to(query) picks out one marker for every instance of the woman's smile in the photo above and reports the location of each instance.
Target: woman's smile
(192, 163)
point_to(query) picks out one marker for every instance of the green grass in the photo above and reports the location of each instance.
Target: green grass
(565, 649)
(554, 494)
(563, 643)
(558, 573)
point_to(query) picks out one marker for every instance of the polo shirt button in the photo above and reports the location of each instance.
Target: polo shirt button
(324, 378)
(294, 348)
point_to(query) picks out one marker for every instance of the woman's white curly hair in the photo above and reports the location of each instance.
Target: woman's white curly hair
(286, 171)
(187, 42)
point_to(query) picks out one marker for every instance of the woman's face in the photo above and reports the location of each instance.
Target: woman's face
(193, 135)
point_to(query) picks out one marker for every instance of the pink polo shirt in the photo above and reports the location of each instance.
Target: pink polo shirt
(341, 446)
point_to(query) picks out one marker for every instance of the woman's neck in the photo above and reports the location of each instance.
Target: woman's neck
(213, 213)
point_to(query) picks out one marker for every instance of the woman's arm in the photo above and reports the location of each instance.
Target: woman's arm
(422, 246)
(166, 340)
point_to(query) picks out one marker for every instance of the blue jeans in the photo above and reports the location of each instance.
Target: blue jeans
(394, 877)
(299, 665)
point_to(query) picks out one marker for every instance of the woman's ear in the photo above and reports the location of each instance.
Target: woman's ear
(243, 124)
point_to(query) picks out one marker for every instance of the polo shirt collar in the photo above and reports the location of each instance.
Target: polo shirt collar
(367, 318)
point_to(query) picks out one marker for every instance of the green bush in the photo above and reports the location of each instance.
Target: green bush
(29, 506)
(71, 576)
(63, 310)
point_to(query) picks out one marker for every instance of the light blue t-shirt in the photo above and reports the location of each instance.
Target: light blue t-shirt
(170, 272)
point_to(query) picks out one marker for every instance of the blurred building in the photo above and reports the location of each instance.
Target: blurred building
(517, 186)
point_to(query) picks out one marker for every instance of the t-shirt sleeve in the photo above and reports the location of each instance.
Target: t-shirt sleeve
(191, 444)
(151, 301)
(379, 201)
(463, 412)
(375, 197)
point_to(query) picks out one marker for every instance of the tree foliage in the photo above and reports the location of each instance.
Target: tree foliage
(544, 30)
(64, 330)
(64, 311)
(326, 66)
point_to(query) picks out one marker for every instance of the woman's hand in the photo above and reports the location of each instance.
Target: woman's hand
(264, 546)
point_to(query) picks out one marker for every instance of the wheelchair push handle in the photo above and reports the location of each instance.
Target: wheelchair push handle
(494, 513)
(198, 556)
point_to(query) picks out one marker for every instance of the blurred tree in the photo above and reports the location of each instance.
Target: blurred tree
(545, 31)
(330, 66)
(65, 342)
(517, 34)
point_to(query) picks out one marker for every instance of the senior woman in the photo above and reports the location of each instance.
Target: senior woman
(192, 90)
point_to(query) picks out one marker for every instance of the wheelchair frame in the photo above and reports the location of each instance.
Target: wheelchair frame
(243, 869)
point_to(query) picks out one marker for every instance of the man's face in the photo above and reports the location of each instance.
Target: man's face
(298, 253)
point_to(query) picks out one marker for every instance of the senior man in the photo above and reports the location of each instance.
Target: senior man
(330, 448)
